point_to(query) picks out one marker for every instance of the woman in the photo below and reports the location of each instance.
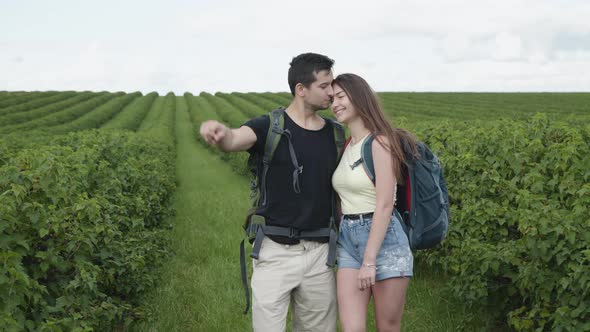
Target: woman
(374, 257)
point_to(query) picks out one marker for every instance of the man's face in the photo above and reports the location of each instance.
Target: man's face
(319, 94)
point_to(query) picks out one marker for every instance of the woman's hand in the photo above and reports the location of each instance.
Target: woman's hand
(366, 277)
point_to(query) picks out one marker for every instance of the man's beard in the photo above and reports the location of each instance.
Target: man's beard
(319, 107)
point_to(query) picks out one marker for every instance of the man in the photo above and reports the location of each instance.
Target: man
(297, 201)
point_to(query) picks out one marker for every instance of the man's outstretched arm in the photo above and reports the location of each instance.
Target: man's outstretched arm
(227, 139)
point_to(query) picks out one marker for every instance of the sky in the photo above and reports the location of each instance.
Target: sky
(246, 46)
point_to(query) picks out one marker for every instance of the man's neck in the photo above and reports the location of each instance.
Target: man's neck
(304, 117)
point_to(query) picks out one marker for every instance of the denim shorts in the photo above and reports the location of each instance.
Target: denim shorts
(394, 258)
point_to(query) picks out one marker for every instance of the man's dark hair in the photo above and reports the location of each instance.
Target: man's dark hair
(304, 68)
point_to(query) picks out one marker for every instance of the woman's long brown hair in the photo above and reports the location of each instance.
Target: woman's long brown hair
(366, 103)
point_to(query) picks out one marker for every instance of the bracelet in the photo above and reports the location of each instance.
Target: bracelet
(370, 265)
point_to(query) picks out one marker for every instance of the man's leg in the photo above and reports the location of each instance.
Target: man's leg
(276, 274)
(314, 301)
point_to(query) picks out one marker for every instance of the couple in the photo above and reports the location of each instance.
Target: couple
(374, 257)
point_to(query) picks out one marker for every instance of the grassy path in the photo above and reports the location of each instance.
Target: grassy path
(201, 289)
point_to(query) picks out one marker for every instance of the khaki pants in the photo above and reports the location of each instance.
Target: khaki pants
(295, 274)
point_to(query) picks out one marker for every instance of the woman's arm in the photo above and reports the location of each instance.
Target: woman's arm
(385, 187)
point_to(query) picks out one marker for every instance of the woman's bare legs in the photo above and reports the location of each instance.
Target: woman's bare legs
(352, 302)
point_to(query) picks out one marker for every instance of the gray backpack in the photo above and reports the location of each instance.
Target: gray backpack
(423, 200)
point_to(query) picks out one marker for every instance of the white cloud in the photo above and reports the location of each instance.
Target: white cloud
(508, 47)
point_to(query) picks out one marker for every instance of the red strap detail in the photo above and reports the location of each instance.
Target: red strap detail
(408, 193)
(346, 144)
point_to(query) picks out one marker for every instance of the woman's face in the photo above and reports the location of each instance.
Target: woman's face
(342, 107)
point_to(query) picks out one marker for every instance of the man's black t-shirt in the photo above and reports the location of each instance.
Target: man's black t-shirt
(316, 152)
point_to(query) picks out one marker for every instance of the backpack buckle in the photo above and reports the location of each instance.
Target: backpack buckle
(293, 232)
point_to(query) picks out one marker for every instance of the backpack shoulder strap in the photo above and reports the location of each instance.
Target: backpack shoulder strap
(277, 123)
(367, 157)
(275, 128)
(339, 137)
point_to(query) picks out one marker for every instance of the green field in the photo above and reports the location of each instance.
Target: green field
(89, 245)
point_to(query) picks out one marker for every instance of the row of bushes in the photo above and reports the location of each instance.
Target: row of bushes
(130, 118)
(21, 97)
(519, 238)
(200, 110)
(37, 102)
(97, 116)
(81, 229)
(62, 115)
